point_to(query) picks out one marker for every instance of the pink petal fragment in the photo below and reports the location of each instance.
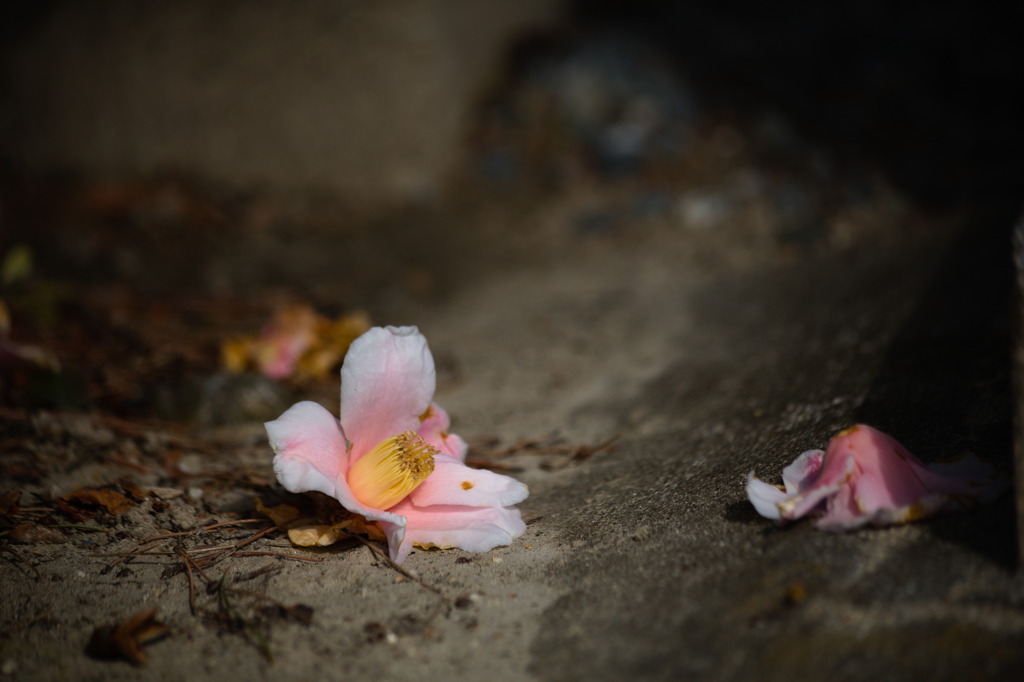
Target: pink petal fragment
(867, 477)
(842, 512)
(285, 339)
(886, 473)
(802, 472)
(433, 428)
(387, 381)
(454, 483)
(474, 529)
(967, 476)
(765, 497)
(399, 545)
(309, 448)
(835, 473)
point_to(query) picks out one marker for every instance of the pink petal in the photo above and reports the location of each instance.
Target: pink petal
(887, 475)
(867, 477)
(835, 473)
(310, 455)
(801, 473)
(454, 483)
(842, 512)
(474, 529)
(387, 381)
(967, 476)
(799, 477)
(309, 448)
(285, 339)
(765, 497)
(433, 428)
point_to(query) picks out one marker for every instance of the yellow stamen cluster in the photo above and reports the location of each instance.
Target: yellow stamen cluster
(393, 469)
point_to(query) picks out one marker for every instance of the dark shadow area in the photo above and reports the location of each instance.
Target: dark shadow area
(945, 384)
(741, 511)
(923, 91)
(924, 94)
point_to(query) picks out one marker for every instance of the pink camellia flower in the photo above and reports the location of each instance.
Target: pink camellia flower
(391, 458)
(866, 477)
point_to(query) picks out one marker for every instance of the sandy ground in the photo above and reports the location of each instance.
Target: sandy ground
(642, 559)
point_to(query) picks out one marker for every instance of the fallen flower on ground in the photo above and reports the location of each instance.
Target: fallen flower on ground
(391, 459)
(866, 477)
(297, 341)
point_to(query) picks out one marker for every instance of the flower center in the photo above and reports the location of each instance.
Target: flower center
(393, 469)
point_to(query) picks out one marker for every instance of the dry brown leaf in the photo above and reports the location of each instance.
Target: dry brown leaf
(108, 498)
(330, 343)
(360, 526)
(235, 353)
(280, 514)
(296, 342)
(126, 639)
(322, 526)
(315, 535)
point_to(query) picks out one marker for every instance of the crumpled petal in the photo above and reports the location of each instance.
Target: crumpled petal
(802, 472)
(284, 341)
(835, 472)
(474, 529)
(309, 448)
(765, 497)
(433, 429)
(797, 477)
(454, 483)
(387, 381)
(867, 477)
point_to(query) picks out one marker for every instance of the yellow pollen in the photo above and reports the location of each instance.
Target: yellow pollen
(391, 470)
(466, 485)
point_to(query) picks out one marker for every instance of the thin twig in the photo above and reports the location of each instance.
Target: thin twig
(523, 444)
(230, 550)
(80, 526)
(218, 548)
(191, 581)
(258, 638)
(297, 557)
(481, 463)
(201, 530)
(411, 576)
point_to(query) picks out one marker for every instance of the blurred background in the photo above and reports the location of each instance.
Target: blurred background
(654, 245)
(186, 167)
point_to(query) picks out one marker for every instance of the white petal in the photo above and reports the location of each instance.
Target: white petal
(801, 473)
(765, 497)
(452, 482)
(387, 381)
(309, 448)
(474, 529)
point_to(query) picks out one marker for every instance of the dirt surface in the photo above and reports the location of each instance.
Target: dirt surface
(641, 557)
(629, 334)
